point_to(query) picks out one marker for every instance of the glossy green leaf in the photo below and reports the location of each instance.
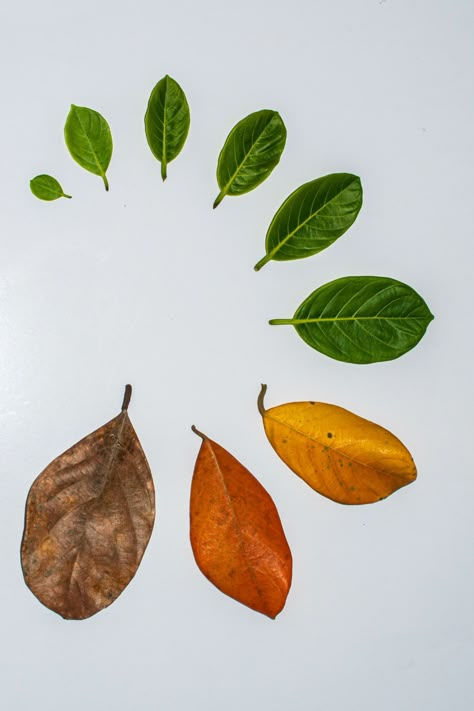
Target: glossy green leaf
(89, 140)
(167, 121)
(313, 217)
(252, 150)
(45, 187)
(361, 319)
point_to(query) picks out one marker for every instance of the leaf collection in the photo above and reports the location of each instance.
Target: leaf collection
(90, 513)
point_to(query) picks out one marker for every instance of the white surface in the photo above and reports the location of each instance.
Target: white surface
(148, 285)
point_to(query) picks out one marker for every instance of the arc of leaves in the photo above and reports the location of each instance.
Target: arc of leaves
(89, 140)
(251, 151)
(236, 533)
(167, 121)
(313, 217)
(89, 517)
(342, 456)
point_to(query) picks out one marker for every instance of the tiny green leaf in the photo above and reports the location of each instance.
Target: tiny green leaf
(313, 217)
(167, 121)
(252, 150)
(89, 140)
(45, 187)
(361, 319)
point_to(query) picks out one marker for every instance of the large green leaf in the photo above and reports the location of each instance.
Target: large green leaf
(89, 140)
(313, 217)
(45, 187)
(251, 151)
(361, 319)
(167, 121)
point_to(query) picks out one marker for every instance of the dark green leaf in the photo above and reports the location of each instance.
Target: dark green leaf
(251, 151)
(89, 140)
(313, 217)
(167, 121)
(45, 187)
(361, 319)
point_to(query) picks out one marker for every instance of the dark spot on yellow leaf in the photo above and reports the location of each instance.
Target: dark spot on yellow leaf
(329, 435)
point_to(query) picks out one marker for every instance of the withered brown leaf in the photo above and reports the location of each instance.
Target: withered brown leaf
(236, 533)
(89, 517)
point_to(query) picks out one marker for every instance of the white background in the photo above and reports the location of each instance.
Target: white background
(148, 285)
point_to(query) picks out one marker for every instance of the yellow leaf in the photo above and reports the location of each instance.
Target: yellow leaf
(339, 454)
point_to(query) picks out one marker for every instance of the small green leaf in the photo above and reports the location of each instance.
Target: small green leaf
(45, 187)
(313, 217)
(167, 121)
(361, 319)
(252, 150)
(89, 140)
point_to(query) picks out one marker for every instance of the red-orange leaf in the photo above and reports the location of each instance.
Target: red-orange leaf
(89, 517)
(236, 533)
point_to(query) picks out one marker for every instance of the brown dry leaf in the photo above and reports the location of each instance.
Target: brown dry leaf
(236, 533)
(341, 455)
(89, 517)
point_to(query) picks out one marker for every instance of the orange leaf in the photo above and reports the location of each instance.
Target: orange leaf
(236, 534)
(89, 517)
(341, 455)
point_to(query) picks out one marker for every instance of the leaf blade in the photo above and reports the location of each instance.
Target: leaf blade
(89, 517)
(45, 187)
(236, 533)
(313, 217)
(361, 319)
(250, 153)
(89, 140)
(339, 454)
(167, 121)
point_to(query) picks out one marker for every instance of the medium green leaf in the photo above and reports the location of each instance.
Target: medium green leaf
(89, 140)
(313, 217)
(252, 150)
(167, 121)
(45, 187)
(361, 319)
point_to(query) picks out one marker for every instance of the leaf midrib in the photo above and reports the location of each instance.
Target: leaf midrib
(242, 163)
(357, 318)
(101, 171)
(236, 524)
(332, 449)
(302, 224)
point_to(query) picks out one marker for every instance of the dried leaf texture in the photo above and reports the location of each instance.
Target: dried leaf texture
(236, 533)
(339, 454)
(89, 517)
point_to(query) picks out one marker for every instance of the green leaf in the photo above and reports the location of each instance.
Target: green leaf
(89, 140)
(45, 187)
(167, 121)
(313, 217)
(361, 319)
(252, 150)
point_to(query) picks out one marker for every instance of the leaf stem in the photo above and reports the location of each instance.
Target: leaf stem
(262, 262)
(106, 182)
(219, 198)
(163, 170)
(66, 196)
(260, 399)
(281, 322)
(126, 398)
(199, 434)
